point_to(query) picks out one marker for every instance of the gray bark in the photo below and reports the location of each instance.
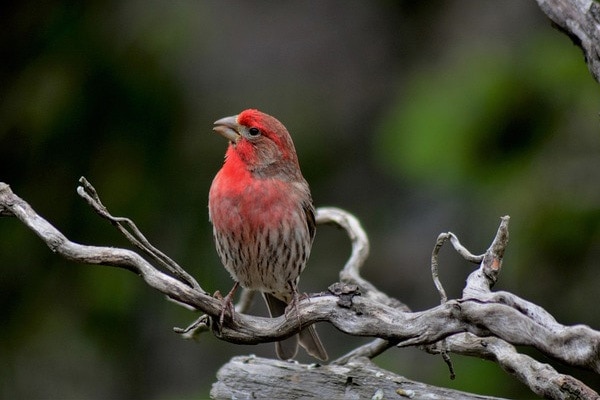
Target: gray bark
(580, 20)
(359, 378)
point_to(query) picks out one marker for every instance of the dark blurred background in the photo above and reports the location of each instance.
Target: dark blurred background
(418, 117)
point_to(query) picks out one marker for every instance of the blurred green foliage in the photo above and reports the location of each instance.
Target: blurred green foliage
(480, 119)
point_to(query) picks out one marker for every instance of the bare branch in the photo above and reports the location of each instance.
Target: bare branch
(435, 275)
(483, 279)
(580, 20)
(499, 318)
(356, 379)
(526, 369)
(358, 238)
(542, 379)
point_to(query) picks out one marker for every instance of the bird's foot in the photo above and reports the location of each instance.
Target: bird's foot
(293, 305)
(227, 303)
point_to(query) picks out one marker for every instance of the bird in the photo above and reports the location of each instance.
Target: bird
(263, 218)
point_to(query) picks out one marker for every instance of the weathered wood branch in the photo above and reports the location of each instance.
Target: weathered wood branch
(357, 379)
(481, 323)
(580, 20)
(541, 378)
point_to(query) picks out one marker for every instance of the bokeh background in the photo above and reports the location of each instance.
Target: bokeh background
(418, 117)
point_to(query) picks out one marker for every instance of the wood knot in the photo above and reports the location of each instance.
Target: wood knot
(345, 292)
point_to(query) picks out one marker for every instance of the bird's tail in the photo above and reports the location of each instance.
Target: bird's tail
(307, 337)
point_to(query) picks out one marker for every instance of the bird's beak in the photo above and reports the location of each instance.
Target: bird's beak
(228, 128)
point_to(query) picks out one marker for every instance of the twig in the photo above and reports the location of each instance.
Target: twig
(481, 280)
(90, 195)
(358, 238)
(369, 350)
(467, 255)
(435, 275)
(202, 324)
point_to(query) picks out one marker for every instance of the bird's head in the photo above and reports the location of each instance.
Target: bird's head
(258, 140)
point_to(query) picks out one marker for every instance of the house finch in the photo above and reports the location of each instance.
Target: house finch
(263, 217)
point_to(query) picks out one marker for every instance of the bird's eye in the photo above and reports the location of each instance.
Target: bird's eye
(254, 131)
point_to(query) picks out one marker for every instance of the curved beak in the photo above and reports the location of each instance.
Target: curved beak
(228, 128)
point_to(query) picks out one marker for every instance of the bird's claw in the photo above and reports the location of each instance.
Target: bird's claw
(293, 305)
(227, 303)
(227, 306)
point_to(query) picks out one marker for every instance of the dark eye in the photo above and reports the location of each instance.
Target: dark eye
(254, 131)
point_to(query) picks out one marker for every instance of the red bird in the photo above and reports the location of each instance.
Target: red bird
(263, 217)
